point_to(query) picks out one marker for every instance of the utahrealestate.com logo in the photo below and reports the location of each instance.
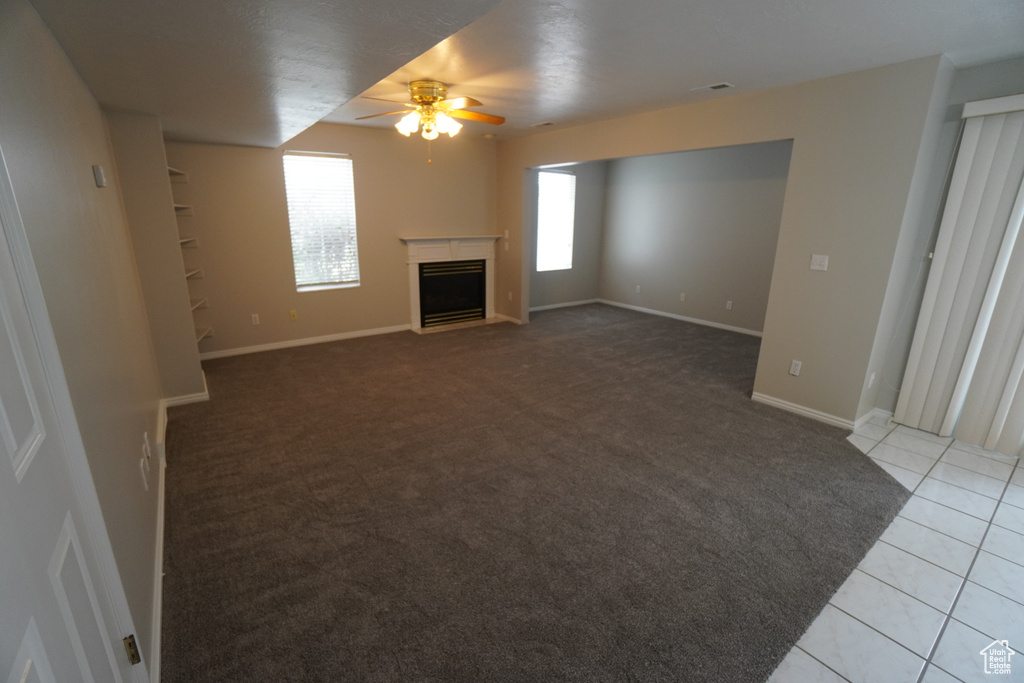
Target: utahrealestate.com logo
(997, 657)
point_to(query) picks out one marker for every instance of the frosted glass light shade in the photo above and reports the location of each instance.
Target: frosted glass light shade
(446, 124)
(409, 123)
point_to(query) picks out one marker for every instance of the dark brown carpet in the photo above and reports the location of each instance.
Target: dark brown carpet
(591, 497)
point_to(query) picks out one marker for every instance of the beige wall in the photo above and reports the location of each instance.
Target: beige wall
(52, 131)
(579, 283)
(142, 175)
(704, 223)
(856, 143)
(241, 220)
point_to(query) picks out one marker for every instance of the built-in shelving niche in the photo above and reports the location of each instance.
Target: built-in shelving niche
(193, 273)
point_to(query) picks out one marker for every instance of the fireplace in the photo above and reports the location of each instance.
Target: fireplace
(452, 292)
(451, 252)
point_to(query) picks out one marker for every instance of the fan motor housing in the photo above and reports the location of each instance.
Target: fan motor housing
(427, 92)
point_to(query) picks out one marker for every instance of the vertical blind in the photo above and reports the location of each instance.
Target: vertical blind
(322, 218)
(556, 219)
(967, 357)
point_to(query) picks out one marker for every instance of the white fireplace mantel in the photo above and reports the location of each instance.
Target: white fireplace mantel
(445, 248)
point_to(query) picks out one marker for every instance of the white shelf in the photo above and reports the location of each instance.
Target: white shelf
(177, 176)
(197, 300)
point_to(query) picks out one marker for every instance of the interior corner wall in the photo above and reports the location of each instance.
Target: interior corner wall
(241, 222)
(856, 140)
(703, 223)
(579, 283)
(52, 131)
(910, 266)
(138, 144)
(954, 87)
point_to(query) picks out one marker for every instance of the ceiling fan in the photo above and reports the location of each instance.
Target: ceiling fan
(436, 114)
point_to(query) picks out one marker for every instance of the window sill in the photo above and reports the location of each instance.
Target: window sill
(317, 288)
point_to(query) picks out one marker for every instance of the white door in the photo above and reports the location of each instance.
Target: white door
(61, 607)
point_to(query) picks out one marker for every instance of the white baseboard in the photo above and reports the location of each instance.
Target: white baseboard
(696, 321)
(158, 579)
(161, 426)
(302, 342)
(199, 397)
(158, 561)
(508, 318)
(803, 410)
(567, 304)
(868, 416)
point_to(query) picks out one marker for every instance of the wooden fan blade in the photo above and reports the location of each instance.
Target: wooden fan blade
(373, 116)
(462, 102)
(477, 116)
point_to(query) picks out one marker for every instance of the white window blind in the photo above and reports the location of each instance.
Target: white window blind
(556, 218)
(322, 216)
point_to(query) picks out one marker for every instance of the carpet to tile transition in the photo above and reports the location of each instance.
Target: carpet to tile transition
(590, 497)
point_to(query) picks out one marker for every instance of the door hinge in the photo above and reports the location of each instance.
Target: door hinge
(132, 649)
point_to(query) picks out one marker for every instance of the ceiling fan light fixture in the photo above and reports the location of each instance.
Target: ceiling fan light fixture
(429, 131)
(433, 119)
(446, 124)
(409, 123)
(432, 114)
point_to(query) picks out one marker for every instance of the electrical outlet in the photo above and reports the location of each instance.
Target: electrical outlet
(255, 318)
(293, 314)
(728, 305)
(819, 261)
(794, 368)
(682, 296)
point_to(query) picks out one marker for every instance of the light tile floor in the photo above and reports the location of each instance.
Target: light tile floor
(944, 581)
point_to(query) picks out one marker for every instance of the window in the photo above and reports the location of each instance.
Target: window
(556, 216)
(322, 216)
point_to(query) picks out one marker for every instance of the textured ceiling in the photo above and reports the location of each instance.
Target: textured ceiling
(260, 71)
(252, 72)
(570, 61)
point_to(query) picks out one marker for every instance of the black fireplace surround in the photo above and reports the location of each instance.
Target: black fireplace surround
(452, 292)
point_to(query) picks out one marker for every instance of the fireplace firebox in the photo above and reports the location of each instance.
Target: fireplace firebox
(452, 292)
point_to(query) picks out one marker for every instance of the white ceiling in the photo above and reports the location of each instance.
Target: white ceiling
(254, 72)
(260, 71)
